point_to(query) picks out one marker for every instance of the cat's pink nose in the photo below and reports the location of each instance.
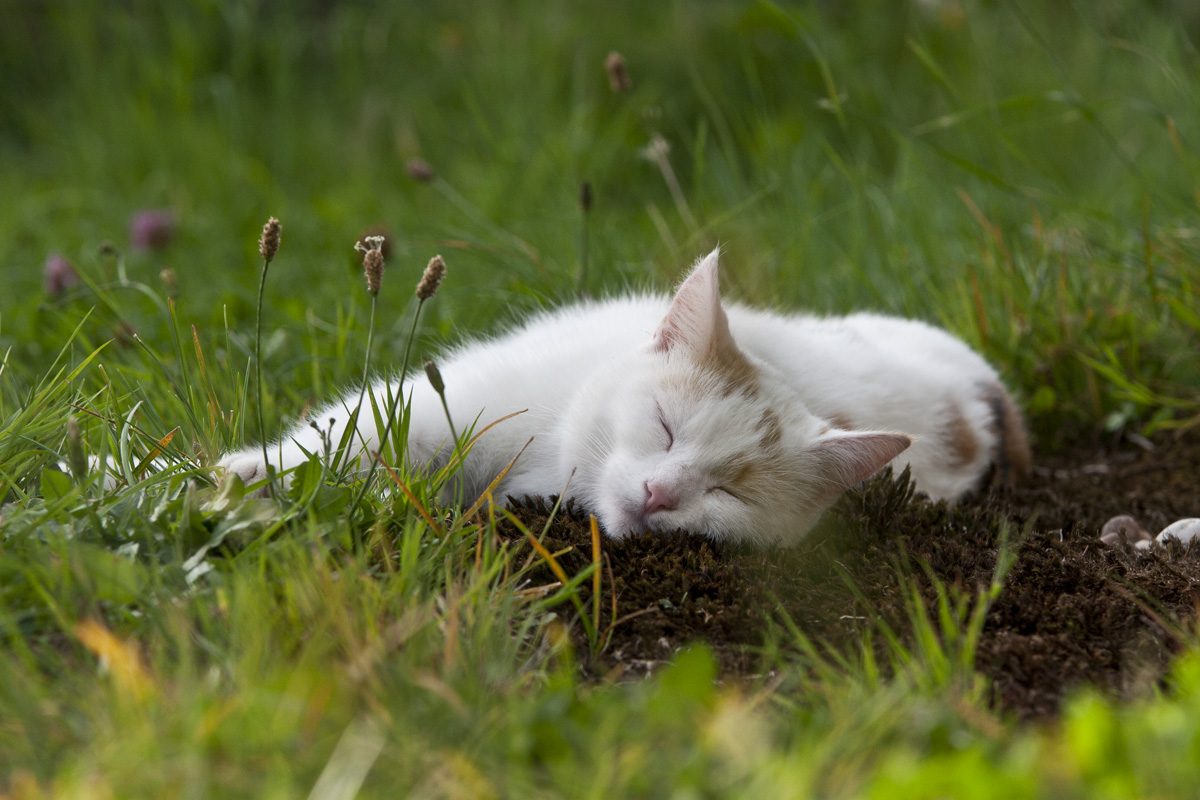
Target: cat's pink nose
(658, 498)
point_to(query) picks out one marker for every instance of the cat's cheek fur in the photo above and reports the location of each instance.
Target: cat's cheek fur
(618, 498)
(608, 411)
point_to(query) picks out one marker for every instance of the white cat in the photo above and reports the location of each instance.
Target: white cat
(684, 414)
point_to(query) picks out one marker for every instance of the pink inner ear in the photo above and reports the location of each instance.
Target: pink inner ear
(679, 326)
(695, 317)
(849, 457)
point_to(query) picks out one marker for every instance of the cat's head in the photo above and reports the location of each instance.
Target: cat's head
(694, 434)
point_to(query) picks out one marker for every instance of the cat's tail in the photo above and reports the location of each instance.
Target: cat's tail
(1013, 459)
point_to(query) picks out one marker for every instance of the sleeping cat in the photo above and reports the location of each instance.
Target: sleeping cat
(661, 414)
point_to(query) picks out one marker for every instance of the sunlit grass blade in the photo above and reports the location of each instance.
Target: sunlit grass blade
(496, 481)
(595, 530)
(159, 447)
(396, 479)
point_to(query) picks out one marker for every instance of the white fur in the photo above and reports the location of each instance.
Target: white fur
(597, 381)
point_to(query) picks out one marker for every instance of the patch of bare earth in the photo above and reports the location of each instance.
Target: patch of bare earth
(1073, 610)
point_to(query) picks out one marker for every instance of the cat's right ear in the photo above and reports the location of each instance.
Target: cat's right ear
(696, 320)
(845, 458)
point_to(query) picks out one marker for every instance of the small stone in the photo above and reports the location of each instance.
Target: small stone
(1110, 534)
(1184, 530)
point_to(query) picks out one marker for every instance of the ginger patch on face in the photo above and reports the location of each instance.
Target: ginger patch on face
(738, 473)
(734, 370)
(770, 430)
(842, 422)
(747, 476)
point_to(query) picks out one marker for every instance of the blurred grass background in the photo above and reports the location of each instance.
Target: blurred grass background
(1024, 173)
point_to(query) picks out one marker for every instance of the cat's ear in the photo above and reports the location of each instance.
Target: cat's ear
(845, 458)
(696, 320)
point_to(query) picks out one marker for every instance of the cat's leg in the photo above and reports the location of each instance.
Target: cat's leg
(283, 456)
(429, 442)
(322, 436)
(110, 479)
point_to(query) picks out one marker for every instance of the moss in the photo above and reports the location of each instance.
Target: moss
(1072, 610)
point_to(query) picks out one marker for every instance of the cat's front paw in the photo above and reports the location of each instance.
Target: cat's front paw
(250, 467)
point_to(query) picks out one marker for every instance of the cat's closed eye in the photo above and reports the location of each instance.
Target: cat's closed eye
(662, 420)
(721, 490)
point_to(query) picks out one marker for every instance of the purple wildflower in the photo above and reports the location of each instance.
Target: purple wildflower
(58, 275)
(151, 228)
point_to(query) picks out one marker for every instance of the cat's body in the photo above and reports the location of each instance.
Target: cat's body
(661, 414)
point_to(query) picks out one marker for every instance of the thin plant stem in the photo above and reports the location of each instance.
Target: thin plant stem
(262, 425)
(362, 392)
(370, 337)
(583, 254)
(681, 203)
(658, 152)
(439, 386)
(392, 401)
(450, 422)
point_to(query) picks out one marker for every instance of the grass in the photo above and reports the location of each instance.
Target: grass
(1025, 174)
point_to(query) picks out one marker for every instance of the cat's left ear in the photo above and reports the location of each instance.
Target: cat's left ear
(845, 458)
(696, 321)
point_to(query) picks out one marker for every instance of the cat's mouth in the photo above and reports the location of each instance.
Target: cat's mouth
(632, 521)
(625, 528)
(639, 525)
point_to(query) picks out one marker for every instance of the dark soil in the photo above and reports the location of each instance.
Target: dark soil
(1072, 609)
